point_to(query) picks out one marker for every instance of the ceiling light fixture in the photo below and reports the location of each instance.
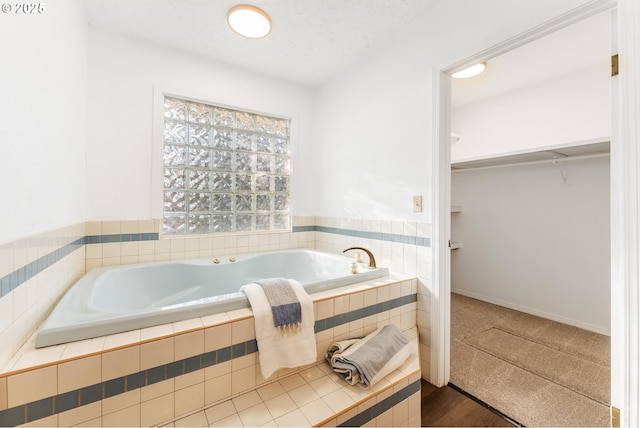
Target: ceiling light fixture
(472, 71)
(249, 21)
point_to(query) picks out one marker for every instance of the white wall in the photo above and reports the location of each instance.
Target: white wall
(122, 75)
(376, 131)
(531, 241)
(43, 125)
(367, 156)
(375, 127)
(563, 110)
(43, 84)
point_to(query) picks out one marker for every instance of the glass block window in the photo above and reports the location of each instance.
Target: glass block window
(225, 170)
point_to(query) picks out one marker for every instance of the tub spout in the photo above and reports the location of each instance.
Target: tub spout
(372, 260)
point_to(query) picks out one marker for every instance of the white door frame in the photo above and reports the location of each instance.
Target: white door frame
(625, 218)
(625, 200)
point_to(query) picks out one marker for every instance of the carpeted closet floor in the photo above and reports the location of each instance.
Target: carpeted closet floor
(536, 371)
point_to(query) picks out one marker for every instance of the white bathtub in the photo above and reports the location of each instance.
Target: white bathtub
(121, 298)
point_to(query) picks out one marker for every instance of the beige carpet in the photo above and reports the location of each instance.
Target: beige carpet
(536, 371)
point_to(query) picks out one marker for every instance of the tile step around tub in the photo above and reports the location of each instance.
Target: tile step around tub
(316, 396)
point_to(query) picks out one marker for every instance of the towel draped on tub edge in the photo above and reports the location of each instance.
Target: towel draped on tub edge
(283, 341)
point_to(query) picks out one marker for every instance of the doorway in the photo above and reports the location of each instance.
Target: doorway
(440, 301)
(532, 229)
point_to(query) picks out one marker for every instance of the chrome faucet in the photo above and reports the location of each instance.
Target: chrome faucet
(372, 260)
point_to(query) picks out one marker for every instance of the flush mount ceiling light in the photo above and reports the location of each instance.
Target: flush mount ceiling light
(472, 71)
(249, 21)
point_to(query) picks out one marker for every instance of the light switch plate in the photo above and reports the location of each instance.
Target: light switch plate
(417, 203)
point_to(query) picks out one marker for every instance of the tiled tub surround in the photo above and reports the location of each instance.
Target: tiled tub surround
(64, 254)
(317, 396)
(34, 273)
(402, 246)
(151, 376)
(107, 246)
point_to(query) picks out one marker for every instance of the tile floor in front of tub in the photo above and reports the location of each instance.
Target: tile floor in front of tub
(307, 398)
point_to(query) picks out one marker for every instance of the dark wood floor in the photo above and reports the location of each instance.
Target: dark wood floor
(447, 407)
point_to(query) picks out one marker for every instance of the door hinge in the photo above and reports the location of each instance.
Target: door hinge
(614, 65)
(615, 417)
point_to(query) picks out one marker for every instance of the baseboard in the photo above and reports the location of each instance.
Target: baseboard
(536, 312)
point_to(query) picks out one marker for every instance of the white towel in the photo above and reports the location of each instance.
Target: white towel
(277, 351)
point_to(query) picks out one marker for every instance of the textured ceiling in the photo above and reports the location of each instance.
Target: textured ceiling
(311, 40)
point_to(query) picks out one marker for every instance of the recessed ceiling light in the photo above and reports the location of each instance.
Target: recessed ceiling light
(472, 71)
(249, 21)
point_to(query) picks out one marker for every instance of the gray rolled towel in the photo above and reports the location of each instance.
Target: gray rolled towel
(365, 361)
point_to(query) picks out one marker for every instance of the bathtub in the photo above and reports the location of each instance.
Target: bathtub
(122, 298)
